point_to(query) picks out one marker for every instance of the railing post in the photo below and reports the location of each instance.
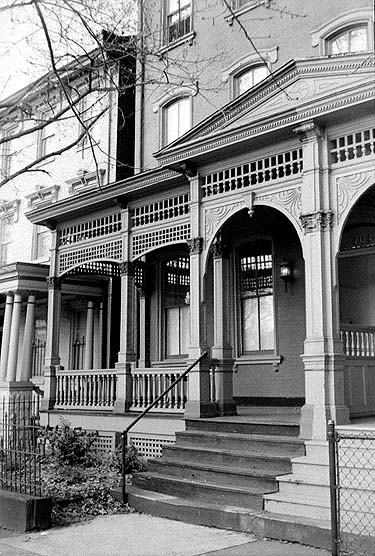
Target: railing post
(124, 446)
(332, 441)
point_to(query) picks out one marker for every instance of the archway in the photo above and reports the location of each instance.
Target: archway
(356, 263)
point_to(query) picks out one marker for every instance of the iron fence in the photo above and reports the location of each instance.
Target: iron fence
(352, 483)
(20, 456)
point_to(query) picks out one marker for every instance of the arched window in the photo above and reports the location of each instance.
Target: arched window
(351, 40)
(176, 119)
(248, 78)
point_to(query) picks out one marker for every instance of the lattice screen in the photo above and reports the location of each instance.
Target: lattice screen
(146, 241)
(106, 442)
(107, 250)
(150, 446)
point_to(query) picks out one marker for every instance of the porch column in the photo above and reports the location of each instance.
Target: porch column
(222, 352)
(98, 341)
(126, 356)
(6, 335)
(323, 356)
(199, 402)
(143, 360)
(89, 335)
(13, 340)
(52, 358)
(28, 339)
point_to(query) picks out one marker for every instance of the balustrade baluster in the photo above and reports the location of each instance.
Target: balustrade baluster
(371, 344)
(95, 390)
(168, 396)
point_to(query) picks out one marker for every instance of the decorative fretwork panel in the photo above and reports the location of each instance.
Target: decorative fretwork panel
(97, 268)
(160, 210)
(145, 242)
(91, 229)
(108, 250)
(260, 171)
(353, 146)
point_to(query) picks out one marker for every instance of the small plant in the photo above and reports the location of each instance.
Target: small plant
(71, 446)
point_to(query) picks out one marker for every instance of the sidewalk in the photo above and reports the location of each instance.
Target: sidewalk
(143, 535)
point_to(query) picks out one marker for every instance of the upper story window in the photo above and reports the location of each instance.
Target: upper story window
(42, 243)
(257, 326)
(354, 39)
(6, 159)
(178, 20)
(176, 119)
(248, 78)
(6, 229)
(46, 140)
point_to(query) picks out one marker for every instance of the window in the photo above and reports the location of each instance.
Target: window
(256, 297)
(42, 243)
(354, 39)
(89, 110)
(5, 240)
(248, 78)
(46, 140)
(176, 119)
(6, 159)
(176, 279)
(178, 20)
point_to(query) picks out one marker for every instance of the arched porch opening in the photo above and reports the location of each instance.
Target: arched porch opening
(356, 263)
(255, 318)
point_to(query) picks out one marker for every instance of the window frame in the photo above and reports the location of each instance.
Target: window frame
(260, 354)
(38, 231)
(244, 70)
(166, 41)
(6, 220)
(344, 31)
(164, 117)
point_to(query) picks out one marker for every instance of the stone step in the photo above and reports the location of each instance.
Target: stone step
(313, 532)
(202, 473)
(295, 505)
(244, 425)
(237, 459)
(220, 494)
(266, 444)
(288, 485)
(287, 414)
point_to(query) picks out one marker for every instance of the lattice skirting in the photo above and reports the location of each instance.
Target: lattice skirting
(106, 442)
(150, 446)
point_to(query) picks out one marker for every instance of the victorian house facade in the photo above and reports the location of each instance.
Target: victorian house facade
(248, 232)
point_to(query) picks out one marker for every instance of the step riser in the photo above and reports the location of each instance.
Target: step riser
(299, 510)
(305, 490)
(199, 492)
(243, 428)
(213, 477)
(177, 454)
(185, 440)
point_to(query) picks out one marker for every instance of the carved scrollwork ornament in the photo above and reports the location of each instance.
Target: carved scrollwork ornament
(309, 131)
(126, 268)
(195, 245)
(316, 221)
(54, 283)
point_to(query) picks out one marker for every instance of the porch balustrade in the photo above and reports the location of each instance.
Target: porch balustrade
(92, 389)
(148, 384)
(358, 341)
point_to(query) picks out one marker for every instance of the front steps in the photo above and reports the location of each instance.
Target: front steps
(221, 470)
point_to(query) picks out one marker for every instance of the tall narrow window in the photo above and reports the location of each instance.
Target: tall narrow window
(5, 240)
(248, 78)
(6, 159)
(42, 243)
(176, 119)
(178, 20)
(176, 306)
(354, 39)
(46, 140)
(256, 297)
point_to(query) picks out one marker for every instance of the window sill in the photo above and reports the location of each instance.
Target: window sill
(259, 359)
(240, 11)
(186, 38)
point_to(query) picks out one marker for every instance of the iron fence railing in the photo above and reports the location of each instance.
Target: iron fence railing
(352, 483)
(20, 456)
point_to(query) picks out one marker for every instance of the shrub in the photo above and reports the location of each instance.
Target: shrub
(71, 446)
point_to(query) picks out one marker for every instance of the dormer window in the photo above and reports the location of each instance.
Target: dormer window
(349, 41)
(178, 20)
(248, 78)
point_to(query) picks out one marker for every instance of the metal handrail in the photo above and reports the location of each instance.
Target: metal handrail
(144, 412)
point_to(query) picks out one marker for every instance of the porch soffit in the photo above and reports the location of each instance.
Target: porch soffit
(300, 90)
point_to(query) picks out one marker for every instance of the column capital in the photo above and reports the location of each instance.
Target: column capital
(309, 131)
(316, 221)
(195, 245)
(126, 268)
(54, 283)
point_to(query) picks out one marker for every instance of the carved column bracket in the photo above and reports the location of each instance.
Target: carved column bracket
(54, 283)
(127, 268)
(316, 221)
(195, 245)
(309, 131)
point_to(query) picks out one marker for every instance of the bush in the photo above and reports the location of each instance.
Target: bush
(78, 481)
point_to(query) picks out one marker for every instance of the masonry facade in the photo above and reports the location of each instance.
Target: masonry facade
(248, 232)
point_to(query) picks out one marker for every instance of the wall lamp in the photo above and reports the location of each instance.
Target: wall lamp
(286, 273)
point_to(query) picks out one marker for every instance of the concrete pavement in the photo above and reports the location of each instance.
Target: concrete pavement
(143, 535)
